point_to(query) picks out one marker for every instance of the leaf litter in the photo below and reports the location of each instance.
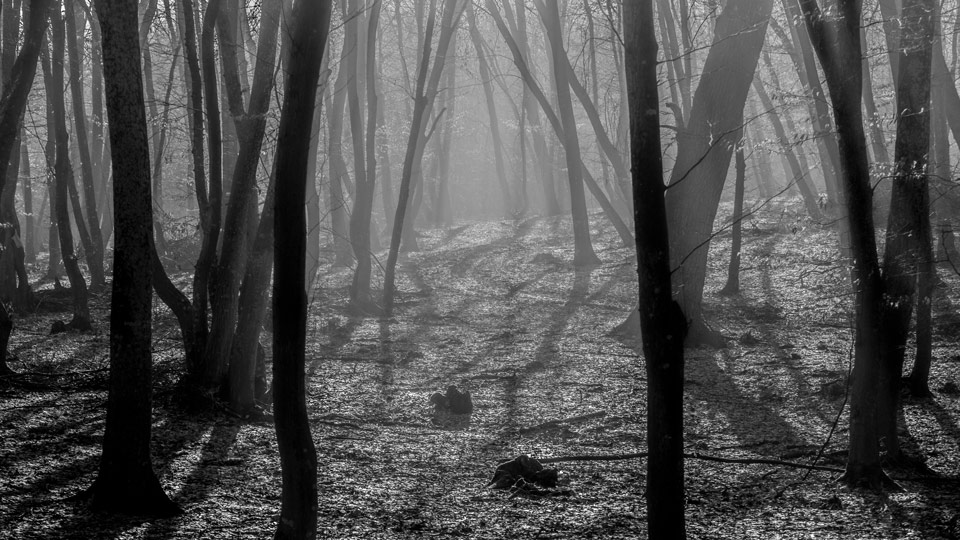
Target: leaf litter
(498, 310)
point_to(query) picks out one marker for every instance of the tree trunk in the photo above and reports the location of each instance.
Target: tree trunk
(12, 104)
(508, 201)
(732, 286)
(661, 319)
(909, 219)
(423, 105)
(298, 456)
(251, 126)
(837, 44)
(253, 308)
(704, 150)
(336, 202)
(126, 481)
(94, 251)
(798, 172)
(364, 167)
(29, 233)
(584, 255)
(64, 177)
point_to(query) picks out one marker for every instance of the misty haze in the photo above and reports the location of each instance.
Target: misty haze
(525, 269)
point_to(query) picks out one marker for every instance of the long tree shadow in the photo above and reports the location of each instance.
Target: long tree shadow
(205, 475)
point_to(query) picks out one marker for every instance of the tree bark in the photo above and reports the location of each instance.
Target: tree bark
(94, 251)
(909, 220)
(12, 104)
(298, 457)
(733, 269)
(836, 39)
(584, 255)
(663, 325)
(251, 126)
(704, 150)
(64, 177)
(126, 481)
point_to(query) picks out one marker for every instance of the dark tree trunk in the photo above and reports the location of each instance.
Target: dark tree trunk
(251, 126)
(207, 258)
(733, 269)
(662, 322)
(12, 105)
(298, 457)
(64, 177)
(837, 44)
(909, 219)
(126, 481)
(253, 308)
(29, 232)
(94, 251)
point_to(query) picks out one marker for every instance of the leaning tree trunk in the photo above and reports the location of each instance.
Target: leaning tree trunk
(298, 456)
(423, 104)
(12, 104)
(837, 44)
(93, 251)
(251, 126)
(583, 249)
(126, 481)
(64, 177)
(704, 150)
(661, 319)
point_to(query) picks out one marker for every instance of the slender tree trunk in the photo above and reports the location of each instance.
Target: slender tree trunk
(251, 126)
(583, 249)
(64, 177)
(733, 269)
(298, 457)
(29, 233)
(94, 251)
(338, 168)
(909, 219)
(508, 202)
(12, 104)
(663, 325)
(837, 43)
(423, 105)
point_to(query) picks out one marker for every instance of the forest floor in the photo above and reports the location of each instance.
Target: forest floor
(497, 308)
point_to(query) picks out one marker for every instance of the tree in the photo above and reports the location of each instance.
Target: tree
(705, 147)
(12, 104)
(424, 97)
(732, 286)
(298, 456)
(583, 249)
(64, 179)
(250, 125)
(836, 39)
(93, 250)
(908, 225)
(662, 321)
(126, 481)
